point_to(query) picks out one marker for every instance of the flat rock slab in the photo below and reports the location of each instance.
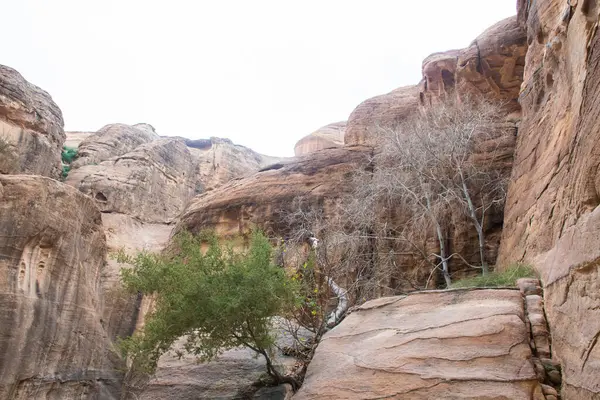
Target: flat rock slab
(455, 344)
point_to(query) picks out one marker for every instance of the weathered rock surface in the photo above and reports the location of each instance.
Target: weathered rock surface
(329, 136)
(552, 216)
(52, 249)
(460, 344)
(492, 66)
(383, 111)
(233, 208)
(152, 183)
(32, 124)
(220, 160)
(112, 141)
(74, 138)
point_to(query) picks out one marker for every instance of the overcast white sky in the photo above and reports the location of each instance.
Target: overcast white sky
(262, 73)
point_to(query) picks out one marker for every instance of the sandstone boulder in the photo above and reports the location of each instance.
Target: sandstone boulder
(112, 141)
(152, 183)
(461, 344)
(52, 337)
(329, 136)
(552, 214)
(31, 128)
(74, 138)
(383, 111)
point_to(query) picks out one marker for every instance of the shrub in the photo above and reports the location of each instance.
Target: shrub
(68, 154)
(506, 278)
(217, 298)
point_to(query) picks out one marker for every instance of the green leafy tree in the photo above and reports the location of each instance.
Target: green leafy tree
(216, 297)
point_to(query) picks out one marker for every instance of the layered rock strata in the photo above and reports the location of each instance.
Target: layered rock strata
(459, 344)
(327, 137)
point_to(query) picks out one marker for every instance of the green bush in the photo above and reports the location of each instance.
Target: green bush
(506, 278)
(219, 299)
(68, 154)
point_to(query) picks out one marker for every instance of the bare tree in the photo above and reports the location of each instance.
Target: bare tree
(445, 159)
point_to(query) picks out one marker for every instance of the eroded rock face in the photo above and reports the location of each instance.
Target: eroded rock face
(32, 124)
(233, 208)
(220, 160)
(492, 66)
(552, 209)
(52, 337)
(461, 344)
(383, 111)
(152, 183)
(329, 136)
(112, 141)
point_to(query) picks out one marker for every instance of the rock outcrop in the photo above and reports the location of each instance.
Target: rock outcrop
(234, 208)
(31, 128)
(152, 183)
(220, 160)
(552, 216)
(112, 141)
(380, 112)
(52, 337)
(327, 137)
(459, 344)
(74, 138)
(492, 66)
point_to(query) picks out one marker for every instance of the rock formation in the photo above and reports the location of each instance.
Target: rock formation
(329, 136)
(111, 141)
(52, 338)
(31, 128)
(383, 111)
(461, 344)
(152, 183)
(552, 216)
(491, 66)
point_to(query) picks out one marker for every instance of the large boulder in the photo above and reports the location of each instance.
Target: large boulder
(52, 337)
(329, 136)
(152, 183)
(31, 128)
(461, 344)
(552, 211)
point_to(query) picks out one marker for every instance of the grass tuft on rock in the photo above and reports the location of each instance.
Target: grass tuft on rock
(506, 278)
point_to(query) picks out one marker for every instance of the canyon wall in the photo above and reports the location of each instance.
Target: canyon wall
(31, 128)
(552, 218)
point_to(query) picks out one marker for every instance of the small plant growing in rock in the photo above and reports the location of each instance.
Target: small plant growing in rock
(69, 154)
(217, 298)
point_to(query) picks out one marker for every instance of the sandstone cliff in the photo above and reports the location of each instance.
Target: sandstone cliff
(329, 136)
(52, 336)
(31, 128)
(552, 216)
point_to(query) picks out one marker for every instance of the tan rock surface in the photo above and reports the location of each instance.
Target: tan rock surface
(461, 344)
(52, 249)
(220, 160)
(552, 211)
(380, 111)
(75, 138)
(153, 183)
(111, 141)
(32, 123)
(329, 136)
(491, 66)
(233, 208)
